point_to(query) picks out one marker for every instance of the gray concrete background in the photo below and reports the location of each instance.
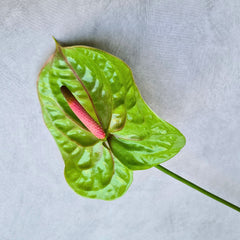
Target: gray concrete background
(185, 56)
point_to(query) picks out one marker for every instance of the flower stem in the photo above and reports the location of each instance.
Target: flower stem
(194, 186)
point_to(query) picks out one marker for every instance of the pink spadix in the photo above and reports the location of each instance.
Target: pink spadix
(82, 114)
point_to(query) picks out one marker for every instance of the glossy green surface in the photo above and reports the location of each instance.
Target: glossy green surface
(136, 137)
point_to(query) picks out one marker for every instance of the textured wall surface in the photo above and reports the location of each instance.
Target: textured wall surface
(185, 56)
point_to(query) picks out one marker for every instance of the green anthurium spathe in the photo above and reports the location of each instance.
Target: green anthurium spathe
(134, 137)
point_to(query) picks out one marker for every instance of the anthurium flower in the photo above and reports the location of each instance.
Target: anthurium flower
(101, 124)
(83, 80)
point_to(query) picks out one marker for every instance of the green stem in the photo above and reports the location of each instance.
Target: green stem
(192, 185)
